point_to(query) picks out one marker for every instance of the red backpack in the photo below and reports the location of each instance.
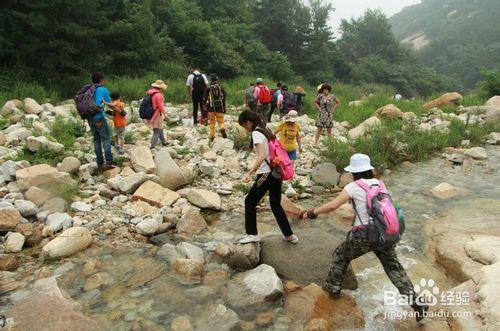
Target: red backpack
(264, 95)
(279, 158)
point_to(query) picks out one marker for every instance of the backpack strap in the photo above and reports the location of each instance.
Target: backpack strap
(261, 130)
(365, 188)
(356, 212)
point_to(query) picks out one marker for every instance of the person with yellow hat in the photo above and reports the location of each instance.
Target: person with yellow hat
(158, 103)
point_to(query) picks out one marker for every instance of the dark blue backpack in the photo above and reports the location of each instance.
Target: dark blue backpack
(146, 110)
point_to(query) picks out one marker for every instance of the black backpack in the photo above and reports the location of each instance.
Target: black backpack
(216, 98)
(288, 102)
(199, 85)
(146, 109)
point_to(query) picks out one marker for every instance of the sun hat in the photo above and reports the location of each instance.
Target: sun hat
(159, 84)
(259, 80)
(359, 163)
(292, 116)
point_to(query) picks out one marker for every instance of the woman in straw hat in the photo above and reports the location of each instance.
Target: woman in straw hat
(158, 103)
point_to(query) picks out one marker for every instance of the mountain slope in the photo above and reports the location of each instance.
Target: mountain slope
(456, 37)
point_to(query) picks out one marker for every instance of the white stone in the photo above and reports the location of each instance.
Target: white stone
(70, 164)
(142, 159)
(131, 183)
(26, 208)
(69, 242)
(148, 227)
(32, 107)
(204, 199)
(477, 153)
(263, 282)
(59, 221)
(14, 243)
(79, 206)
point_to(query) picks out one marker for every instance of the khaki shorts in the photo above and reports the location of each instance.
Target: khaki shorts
(119, 132)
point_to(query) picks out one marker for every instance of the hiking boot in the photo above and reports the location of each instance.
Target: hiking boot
(223, 133)
(329, 289)
(108, 166)
(420, 311)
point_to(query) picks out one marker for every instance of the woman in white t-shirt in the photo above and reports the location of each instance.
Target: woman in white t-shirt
(265, 181)
(356, 243)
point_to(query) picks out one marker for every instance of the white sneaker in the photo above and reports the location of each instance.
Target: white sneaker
(250, 238)
(293, 239)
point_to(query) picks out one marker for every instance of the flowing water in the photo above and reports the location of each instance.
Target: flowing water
(132, 289)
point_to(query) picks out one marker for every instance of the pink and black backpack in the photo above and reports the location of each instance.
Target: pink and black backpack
(279, 158)
(384, 227)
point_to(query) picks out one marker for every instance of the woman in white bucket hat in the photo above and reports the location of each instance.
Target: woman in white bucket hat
(356, 243)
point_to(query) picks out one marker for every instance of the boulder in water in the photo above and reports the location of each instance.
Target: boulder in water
(444, 191)
(307, 262)
(217, 318)
(477, 153)
(239, 257)
(188, 269)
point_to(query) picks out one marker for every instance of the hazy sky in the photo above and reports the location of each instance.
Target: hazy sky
(355, 8)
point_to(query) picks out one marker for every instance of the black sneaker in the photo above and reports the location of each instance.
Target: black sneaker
(223, 133)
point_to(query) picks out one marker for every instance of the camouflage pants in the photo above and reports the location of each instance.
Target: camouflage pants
(353, 248)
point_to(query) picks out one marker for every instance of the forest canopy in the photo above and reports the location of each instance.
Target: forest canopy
(57, 43)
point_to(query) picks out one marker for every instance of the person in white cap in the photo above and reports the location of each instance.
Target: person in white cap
(289, 136)
(158, 103)
(356, 243)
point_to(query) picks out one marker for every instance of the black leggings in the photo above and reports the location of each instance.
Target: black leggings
(263, 184)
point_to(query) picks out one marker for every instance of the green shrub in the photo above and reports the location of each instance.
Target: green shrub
(65, 131)
(490, 85)
(43, 156)
(20, 90)
(129, 138)
(242, 187)
(68, 190)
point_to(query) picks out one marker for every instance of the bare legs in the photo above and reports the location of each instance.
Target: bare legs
(318, 134)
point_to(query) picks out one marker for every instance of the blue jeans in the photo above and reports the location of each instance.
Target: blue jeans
(100, 131)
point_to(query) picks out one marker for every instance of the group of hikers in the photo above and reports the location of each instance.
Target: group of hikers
(378, 223)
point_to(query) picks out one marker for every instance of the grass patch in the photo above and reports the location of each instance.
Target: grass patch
(65, 131)
(129, 138)
(394, 142)
(119, 160)
(245, 188)
(21, 90)
(43, 156)
(68, 191)
(183, 151)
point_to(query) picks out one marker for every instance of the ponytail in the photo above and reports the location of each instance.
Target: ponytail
(258, 124)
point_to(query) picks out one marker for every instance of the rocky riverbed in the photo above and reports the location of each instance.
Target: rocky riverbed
(151, 244)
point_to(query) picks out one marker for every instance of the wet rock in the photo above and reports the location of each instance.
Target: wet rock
(32, 107)
(191, 223)
(264, 318)
(181, 323)
(445, 99)
(14, 242)
(9, 218)
(142, 159)
(458, 319)
(217, 318)
(311, 258)
(204, 199)
(291, 209)
(55, 205)
(46, 308)
(255, 287)
(444, 191)
(477, 153)
(26, 208)
(313, 304)
(131, 183)
(364, 127)
(488, 294)
(169, 253)
(70, 164)
(40, 174)
(97, 280)
(388, 111)
(155, 194)
(71, 241)
(325, 174)
(171, 176)
(190, 270)
(81, 207)
(239, 257)
(190, 251)
(59, 221)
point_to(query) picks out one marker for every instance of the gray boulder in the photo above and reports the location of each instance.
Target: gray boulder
(70, 165)
(26, 208)
(325, 174)
(307, 262)
(59, 221)
(170, 174)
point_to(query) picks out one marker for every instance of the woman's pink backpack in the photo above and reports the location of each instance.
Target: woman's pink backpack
(279, 158)
(384, 227)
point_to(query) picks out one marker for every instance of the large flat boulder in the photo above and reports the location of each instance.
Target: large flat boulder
(131, 183)
(171, 176)
(46, 308)
(307, 262)
(445, 99)
(155, 194)
(40, 174)
(489, 294)
(204, 199)
(142, 159)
